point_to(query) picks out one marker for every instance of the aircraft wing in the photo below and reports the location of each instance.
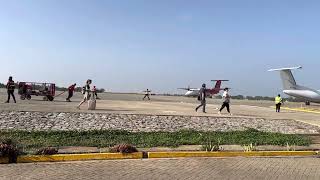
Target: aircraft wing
(283, 69)
(187, 89)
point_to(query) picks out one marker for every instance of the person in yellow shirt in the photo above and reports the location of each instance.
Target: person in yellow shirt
(278, 101)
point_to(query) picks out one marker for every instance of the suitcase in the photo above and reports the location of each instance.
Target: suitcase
(92, 103)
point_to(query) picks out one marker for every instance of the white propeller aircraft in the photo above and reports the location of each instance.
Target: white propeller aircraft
(194, 92)
(291, 88)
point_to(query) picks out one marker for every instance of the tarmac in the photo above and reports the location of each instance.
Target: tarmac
(164, 105)
(182, 168)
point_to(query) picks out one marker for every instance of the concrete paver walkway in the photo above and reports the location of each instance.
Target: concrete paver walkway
(185, 168)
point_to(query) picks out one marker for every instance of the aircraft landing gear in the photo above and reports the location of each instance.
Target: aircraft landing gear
(307, 103)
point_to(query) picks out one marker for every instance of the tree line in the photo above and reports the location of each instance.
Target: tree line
(2, 85)
(239, 97)
(261, 98)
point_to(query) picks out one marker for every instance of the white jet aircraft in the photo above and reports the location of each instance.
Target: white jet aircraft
(291, 88)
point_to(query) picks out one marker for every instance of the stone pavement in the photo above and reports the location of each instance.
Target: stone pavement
(185, 168)
(147, 123)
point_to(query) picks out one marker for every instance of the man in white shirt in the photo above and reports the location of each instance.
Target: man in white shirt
(226, 101)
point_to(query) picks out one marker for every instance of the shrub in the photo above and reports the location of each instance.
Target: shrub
(123, 148)
(211, 145)
(249, 148)
(9, 149)
(47, 151)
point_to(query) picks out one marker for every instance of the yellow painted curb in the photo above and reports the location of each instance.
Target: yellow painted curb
(4, 160)
(139, 155)
(302, 110)
(78, 157)
(230, 154)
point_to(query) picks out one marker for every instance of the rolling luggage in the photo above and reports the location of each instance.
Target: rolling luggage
(92, 102)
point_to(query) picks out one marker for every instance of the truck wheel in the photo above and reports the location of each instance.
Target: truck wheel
(28, 97)
(45, 98)
(23, 97)
(50, 98)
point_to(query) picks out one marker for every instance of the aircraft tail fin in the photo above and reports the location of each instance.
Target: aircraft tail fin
(218, 83)
(287, 77)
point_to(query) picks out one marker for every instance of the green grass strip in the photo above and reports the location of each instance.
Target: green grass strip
(107, 138)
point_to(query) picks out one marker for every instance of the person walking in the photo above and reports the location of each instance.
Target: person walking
(202, 97)
(71, 89)
(147, 94)
(10, 89)
(94, 90)
(86, 93)
(226, 101)
(278, 101)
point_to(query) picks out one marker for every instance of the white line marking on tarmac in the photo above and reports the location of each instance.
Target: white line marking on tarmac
(169, 111)
(248, 106)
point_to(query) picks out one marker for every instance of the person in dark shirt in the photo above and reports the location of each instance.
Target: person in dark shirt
(10, 89)
(202, 98)
(71, 89)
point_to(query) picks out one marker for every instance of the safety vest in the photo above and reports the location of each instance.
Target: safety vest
(278, 100)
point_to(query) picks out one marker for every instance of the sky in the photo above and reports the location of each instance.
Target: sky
(132, 45)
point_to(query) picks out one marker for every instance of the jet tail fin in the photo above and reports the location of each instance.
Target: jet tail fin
(287, 77)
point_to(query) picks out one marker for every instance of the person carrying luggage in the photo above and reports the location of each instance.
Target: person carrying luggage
(86, 93)
(202, 97)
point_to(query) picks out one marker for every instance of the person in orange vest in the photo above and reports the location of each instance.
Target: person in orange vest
(71, 89)
(10, 90)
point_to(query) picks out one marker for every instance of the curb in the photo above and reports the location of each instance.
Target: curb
(154, 155)
(73, 157)
(78, 157)
(230, 154)
(4, 160)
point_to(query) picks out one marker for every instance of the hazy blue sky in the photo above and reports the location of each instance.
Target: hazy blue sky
(130, 45)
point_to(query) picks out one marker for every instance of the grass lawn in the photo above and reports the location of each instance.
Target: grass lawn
(107, 138)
